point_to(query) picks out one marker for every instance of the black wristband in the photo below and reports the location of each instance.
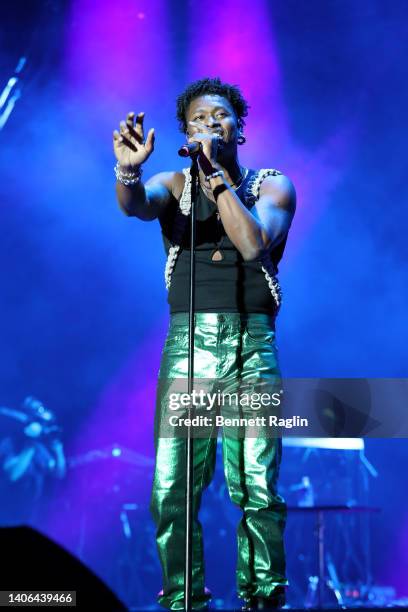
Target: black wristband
(218, 190)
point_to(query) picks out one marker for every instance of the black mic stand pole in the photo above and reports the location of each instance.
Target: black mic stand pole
(188, 570)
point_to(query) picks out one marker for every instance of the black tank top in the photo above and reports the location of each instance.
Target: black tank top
(229, 285)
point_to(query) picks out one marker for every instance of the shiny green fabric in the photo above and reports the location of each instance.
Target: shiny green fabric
(229, 347)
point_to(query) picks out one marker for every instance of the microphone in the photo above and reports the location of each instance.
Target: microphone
(189, 149)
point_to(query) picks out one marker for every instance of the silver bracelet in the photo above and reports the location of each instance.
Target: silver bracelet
(214, 175)
(127, 178)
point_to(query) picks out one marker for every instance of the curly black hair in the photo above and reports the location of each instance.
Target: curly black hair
(211, 87)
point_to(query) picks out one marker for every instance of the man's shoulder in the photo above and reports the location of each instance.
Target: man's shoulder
(271, 188)
(272, 179)
(173, 180)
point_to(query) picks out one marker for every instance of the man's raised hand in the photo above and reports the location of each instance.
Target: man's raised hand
(129, 145)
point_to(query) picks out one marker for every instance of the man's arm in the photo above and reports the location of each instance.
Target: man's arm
(16, 465)
(131, 149)
(148, 201)
(256, 231)
(275, 209)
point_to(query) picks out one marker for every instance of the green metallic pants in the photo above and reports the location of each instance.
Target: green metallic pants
(229, 347)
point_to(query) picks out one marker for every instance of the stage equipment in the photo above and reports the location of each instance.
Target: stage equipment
(326, 586)
(325, 482)
(33, 562)
(190, 149)
(189, 441)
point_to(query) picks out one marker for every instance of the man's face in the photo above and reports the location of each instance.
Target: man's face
(215, 113)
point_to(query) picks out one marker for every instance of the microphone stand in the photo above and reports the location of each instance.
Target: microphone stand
(188, 569)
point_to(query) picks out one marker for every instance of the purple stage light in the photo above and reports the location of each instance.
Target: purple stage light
(115, 51)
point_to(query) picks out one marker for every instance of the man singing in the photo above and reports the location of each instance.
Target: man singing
(243, 220)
